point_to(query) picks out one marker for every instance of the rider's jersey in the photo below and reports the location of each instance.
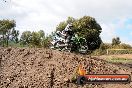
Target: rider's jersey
(68, 31)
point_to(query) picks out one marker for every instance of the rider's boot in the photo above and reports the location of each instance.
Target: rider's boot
(66, 45)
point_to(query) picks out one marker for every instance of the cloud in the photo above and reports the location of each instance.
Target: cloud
(118, 28)
(108, 32)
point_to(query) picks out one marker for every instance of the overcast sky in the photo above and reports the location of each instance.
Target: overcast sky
(114, 16)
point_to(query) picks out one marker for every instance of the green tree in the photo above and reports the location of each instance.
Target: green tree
(46, 41)
(41, 34)
(34, 39)
(70, 20)
(63, 24)
(86, 27)
(25, 38)
(6, 27)
(116, 41)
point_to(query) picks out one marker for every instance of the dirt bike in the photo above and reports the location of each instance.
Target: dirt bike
(79, 44)
(76, 44)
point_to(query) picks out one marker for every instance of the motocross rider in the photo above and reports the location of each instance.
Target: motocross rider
(68, 33)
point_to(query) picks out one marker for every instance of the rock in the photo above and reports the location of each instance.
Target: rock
(66, 80)
(9, 49)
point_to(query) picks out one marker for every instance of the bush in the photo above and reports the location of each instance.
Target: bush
(122, 49)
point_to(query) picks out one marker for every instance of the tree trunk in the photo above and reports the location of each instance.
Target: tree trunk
(3, 39)
(7, 42)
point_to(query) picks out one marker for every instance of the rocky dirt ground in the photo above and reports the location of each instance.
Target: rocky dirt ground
(45, 68)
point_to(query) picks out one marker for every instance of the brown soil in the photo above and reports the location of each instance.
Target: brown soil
(45, 68)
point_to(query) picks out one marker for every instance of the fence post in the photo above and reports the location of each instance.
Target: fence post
(107, 52)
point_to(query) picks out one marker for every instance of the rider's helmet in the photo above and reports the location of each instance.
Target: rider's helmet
(68, 28)
(70, 25)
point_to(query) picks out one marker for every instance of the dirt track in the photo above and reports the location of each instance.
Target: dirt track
(44, 68)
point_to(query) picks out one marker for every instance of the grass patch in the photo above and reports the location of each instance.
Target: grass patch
(119, 60)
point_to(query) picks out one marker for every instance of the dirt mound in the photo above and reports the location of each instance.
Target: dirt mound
(45, 68)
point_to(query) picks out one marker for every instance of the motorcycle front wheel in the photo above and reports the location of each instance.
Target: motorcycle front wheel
(83, 49)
